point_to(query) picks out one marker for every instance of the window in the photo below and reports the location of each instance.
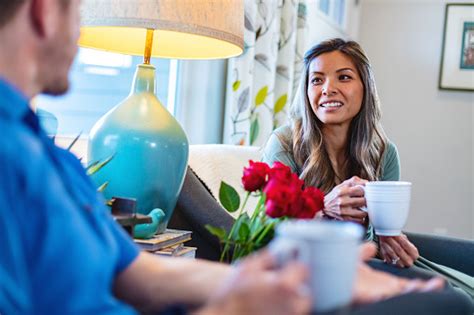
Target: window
(335, 10)
(99, 81)
(324, 6)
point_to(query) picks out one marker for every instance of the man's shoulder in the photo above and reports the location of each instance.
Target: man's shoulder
(17, 143)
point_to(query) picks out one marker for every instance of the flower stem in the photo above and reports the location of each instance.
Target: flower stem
(244, 203)
(265, 232)
(258, 207)
(227, 241)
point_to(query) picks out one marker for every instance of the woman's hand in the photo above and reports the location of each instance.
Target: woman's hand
(345, 200)
(398, 250)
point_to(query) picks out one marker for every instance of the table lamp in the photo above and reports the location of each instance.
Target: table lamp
(149, 147)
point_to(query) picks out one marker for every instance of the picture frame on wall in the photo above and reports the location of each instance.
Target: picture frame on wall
(457, 54)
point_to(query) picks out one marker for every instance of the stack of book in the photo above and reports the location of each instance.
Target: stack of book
(169, 243)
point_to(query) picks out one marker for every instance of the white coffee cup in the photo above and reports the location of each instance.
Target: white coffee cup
(330, 249)
(388, 205)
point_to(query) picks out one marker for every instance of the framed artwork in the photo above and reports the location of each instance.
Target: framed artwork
(457, 55)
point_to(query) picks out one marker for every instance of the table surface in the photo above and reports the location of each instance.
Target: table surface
(132, 219)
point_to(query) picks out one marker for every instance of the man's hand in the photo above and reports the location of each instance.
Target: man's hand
(345, 200)
(398, 250)
(256, 288)
(372, 286)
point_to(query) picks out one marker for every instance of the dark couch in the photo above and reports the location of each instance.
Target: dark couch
(197, 206)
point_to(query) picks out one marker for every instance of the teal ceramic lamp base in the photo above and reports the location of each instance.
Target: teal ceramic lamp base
(150, 151)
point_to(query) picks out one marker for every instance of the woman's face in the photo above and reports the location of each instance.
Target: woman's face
(335, 89)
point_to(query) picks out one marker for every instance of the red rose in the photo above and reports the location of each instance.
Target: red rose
(281, 172)
(255, 176)
(296, 208)
(273, 209)
(281, 193)
(312, 200)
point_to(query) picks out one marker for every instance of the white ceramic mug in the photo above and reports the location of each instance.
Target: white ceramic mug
(330, 249)
(388, 205)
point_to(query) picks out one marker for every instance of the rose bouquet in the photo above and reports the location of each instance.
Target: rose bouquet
(281, 195)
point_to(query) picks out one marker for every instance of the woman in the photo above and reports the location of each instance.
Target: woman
(335, 134)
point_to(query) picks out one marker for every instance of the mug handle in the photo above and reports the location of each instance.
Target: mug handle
(284, 250)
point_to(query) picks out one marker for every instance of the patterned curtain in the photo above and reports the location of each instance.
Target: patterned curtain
(262, 81)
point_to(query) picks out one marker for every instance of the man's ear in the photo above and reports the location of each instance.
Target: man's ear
(43, 17)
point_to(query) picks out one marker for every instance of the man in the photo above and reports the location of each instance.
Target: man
(60, 250)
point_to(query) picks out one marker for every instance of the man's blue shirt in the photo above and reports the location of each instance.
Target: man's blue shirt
(60, 249)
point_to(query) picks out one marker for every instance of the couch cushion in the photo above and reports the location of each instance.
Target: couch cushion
(214, 163)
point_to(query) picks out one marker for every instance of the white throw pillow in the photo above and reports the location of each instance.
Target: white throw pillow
(214, 163)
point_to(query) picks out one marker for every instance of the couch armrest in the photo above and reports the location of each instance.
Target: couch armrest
(452, 252)
(195, 208)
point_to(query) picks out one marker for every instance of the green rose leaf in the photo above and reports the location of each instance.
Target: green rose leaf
(280, 104)
(216, 231)
(244, 231)
(229, 197)
(261, 96)
(236, 85)
(243, 219)
(254, 130)
(256, 225)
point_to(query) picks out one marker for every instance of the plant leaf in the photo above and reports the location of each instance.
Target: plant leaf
(283, 71)
(263, 60)
(244, 231)
(242, 219)
(243, 101)
(92, 165)
(265, 235)
(102, 187)
(257, 33)
(280, 104)
(216, 231)
(69, 147)
(96, 166)
(255, 225)
(261, 96)
(236, 85)
(263, 9)
(229, 197)
(254, 130)
(248, 24)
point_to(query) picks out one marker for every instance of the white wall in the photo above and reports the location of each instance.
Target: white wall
(433, 129)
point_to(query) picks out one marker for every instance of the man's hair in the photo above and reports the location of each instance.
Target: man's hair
(8, 9)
